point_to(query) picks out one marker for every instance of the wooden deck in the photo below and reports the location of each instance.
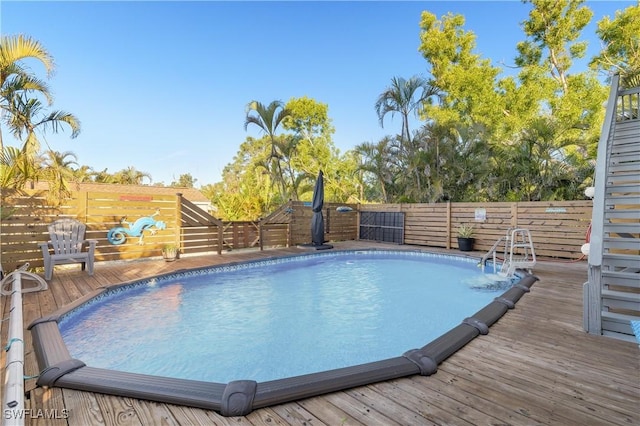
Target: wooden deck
(536, 366)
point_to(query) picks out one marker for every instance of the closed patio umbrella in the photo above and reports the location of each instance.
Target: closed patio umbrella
(317, 221)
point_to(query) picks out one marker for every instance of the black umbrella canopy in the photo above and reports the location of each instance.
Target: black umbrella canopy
(317, 221)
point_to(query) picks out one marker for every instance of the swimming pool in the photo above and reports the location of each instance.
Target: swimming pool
(240, 396)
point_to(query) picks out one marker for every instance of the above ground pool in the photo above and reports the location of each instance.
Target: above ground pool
(238, 337)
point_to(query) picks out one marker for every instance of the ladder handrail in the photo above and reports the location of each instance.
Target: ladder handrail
(492, 251)
(514, 238)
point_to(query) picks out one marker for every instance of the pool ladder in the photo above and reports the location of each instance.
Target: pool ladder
(518, 253)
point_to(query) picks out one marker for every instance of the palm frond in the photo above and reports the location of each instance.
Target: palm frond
(15, 48)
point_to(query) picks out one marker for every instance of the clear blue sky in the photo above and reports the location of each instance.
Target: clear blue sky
(163, 86)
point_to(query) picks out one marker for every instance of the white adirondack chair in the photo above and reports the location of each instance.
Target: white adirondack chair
(67, 245)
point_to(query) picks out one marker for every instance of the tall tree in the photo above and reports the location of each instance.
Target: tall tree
(310, 148)
(268, 118)
(466, 81)
(84, 173)
(377, 161)
(25, 115)
(568, 106)
(405, 97)
(58, 171)
(103, 176)
(307, 118)
(16, 170)
(28, 116)
(553, 29)
(621, 45)
(246, 191)
(16, 78)
(131, 176)
(184, 181)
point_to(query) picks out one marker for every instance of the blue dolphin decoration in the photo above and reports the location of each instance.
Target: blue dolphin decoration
(118, 235)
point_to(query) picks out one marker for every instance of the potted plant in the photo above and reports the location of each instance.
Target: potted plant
(170, 252)
(465, 239)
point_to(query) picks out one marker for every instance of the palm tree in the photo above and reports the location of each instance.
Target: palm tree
(268, 118)
(58, 172)
(131, 176)
(406, 97)
(16, 169)
(15, 77)
(377, 160)
(402, 97)
(103, 176)
(84, 173)
(28, 116)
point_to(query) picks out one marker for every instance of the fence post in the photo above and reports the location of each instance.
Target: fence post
(261, 235)
(178, 220)
(291, 218)
(82, 204)
(220, 236)
(514, 215)
(358, 222)
(448, 225)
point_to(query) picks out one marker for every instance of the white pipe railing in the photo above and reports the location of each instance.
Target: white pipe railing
(13, 410)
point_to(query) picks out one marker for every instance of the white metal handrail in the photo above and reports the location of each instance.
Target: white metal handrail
(13, 400)
(518, 252)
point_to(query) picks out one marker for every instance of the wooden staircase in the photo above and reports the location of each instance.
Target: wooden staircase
(612, 294)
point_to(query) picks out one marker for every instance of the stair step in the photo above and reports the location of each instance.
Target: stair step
(627, 279)
(619, 323)
(622, 228)
(622, 214)
(621, 300)
(629, 188)
(621, 243)
(621, 260)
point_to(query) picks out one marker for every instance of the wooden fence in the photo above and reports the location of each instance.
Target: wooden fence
(178, 221)
(558, 228)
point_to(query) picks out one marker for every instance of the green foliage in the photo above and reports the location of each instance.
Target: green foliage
(131, 176)
(25, 115)
(553, 29)
(246, 191)
(483, 136)
(184, 181)
(465, 231)
(621, 37)
(307, 118)
(466, 81)
(57, 170)
(405, 97)
(289, 160)
(268, 118)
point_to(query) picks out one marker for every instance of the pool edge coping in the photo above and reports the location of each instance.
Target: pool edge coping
(241, 397)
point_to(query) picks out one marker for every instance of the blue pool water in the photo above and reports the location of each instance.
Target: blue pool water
(270, 320)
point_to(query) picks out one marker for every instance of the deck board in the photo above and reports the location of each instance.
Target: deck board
(536, 366)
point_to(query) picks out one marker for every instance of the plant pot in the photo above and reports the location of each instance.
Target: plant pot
(465, 244)
(170, 255)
